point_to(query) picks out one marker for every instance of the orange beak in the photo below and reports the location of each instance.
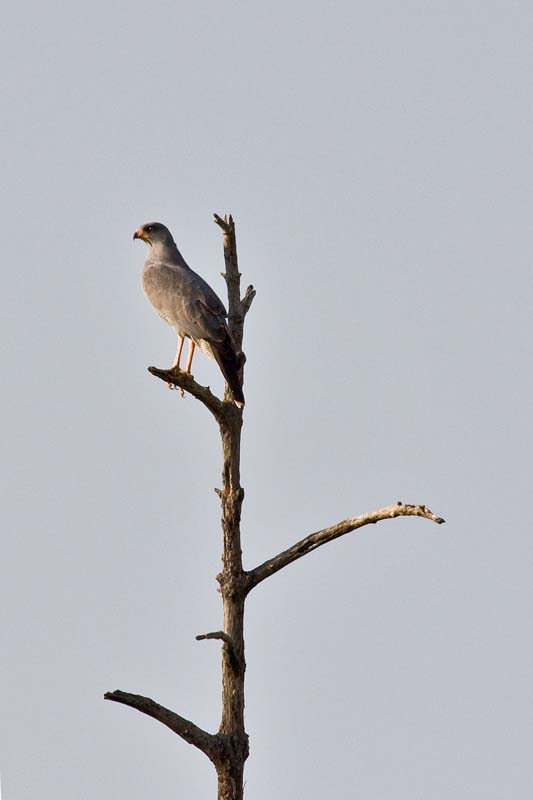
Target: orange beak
(139, 234)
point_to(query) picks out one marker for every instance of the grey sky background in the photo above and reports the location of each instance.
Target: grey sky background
(377, 158)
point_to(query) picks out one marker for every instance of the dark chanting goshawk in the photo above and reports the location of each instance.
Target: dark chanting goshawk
(184, 300)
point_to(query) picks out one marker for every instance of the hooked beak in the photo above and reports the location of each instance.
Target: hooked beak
(139, 234)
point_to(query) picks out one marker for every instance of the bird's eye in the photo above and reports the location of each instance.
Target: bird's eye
(150, 228)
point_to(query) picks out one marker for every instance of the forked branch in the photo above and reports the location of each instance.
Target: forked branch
(208, 743)
(314, 540)
(237, 308)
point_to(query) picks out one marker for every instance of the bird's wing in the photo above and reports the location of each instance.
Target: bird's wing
(185, 300)
(204, 309)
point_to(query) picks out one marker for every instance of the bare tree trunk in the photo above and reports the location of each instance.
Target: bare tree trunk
(231, 579)
(228, 748)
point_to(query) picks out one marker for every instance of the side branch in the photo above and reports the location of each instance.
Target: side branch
(215, 635)
(186, 382)
(319, 538)
(191, 733)
(247, 300)
(228, 643)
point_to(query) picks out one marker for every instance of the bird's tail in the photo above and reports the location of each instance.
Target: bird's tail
(227, 360)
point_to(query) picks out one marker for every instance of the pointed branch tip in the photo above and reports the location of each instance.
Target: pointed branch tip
(226, 224)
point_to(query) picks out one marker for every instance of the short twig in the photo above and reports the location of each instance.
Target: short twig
(247, 300)
(228, 643)
(216, 635)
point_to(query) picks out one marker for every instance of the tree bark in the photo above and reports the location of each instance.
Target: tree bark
(232, 577)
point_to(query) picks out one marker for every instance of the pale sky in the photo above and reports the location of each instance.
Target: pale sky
(377, 159)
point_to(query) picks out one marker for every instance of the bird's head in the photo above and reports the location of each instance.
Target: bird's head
(154, 233)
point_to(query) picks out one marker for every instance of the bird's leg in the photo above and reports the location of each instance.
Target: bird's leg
(178, 353)
(189, 358)
(176, 364)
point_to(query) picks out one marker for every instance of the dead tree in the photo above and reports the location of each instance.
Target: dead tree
(228, 748)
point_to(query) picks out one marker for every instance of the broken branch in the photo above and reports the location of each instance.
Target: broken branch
(215, 635)
(247, 300)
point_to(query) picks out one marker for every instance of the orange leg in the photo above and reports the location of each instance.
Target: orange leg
(178, 353)
(189, 358)
(176, 364)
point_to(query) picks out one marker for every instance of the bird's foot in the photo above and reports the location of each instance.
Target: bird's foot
(173, 386)
(177, 369)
